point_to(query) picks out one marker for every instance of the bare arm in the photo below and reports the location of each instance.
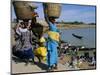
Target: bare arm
(29, 24)
(18, 25)
(17, 29)
(47, 20)
(45, 15)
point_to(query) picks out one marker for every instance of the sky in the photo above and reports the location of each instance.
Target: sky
(69, 13)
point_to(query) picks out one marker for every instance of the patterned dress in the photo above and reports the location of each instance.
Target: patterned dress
(23, 48)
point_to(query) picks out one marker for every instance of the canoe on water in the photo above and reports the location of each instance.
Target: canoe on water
(77, 36)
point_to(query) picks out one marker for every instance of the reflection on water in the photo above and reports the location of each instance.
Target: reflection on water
(88, 39)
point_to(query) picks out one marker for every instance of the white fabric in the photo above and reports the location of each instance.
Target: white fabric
(19, 30)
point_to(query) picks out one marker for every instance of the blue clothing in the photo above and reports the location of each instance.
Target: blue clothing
(52, 56)
(52, 27)
(26, 54)
(52, 53)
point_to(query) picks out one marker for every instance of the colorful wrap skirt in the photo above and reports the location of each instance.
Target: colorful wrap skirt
(25, 54)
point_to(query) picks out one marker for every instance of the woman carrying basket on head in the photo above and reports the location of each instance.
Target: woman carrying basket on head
(23, 48)
(52, 43)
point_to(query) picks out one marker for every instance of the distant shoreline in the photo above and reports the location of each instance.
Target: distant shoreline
(72, 26)
(69, 26)
(66, 26)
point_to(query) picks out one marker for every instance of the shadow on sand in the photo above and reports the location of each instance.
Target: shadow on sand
(17, 60)
(41, 65)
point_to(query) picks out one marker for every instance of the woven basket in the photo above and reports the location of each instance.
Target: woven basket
(53, 9)
(22, 10)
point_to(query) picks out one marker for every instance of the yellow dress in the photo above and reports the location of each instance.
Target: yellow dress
(42, 51)
(54, 35)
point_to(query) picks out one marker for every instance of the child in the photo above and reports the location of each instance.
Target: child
(41, 51)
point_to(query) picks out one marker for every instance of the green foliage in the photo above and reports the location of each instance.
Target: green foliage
(75, 22)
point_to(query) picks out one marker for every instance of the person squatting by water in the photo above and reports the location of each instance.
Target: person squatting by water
(23, 47)
(52, 44)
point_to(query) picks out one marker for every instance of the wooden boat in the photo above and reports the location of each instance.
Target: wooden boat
(77, 36)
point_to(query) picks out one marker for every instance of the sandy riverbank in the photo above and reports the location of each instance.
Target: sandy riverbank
(73, 26)
(66, 26)
(19, 66)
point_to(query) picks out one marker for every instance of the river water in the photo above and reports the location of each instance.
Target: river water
(88, 40)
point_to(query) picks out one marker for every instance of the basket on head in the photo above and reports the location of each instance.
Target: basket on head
(22, 10)
(53, 9)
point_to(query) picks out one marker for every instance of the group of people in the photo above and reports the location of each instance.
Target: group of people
(24, 48)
